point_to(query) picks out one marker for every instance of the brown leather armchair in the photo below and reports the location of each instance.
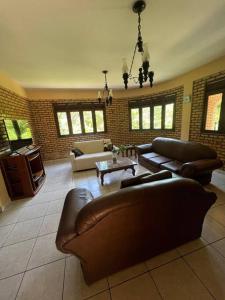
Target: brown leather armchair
(123, 228)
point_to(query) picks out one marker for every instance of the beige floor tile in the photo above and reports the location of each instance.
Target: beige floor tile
(212, 230)
(74, 284)
(218, 213)
(139, 288)
(9, 287)
(192, 246)
(126, 274)
(102, 296)
(44, 251)
(162, 259)
(34, 211)
(10, 216)
(220, 246)
(50, 224)
(44, 197)
(24, 231)
(4, 233)
(43, 283)
(176, 281)
(209, 265)
(14, 258)
(55, 207)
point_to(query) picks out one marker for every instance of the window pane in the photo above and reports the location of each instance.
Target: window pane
(169, 116)
(157, 117)
(99, 117)
(135, 118)
(75, 119)
(213, 112)
(63, 123)
(146, 117)
(88, 122)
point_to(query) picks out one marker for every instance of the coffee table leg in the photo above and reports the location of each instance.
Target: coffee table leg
(133, 170)
(102, 178)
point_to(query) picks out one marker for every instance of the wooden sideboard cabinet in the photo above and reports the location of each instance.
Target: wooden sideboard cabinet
(23, 172)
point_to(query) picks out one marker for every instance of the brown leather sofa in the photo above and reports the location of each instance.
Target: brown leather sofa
(123, 228)
(187, 159)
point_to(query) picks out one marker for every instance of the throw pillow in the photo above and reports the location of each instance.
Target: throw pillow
(77, 152)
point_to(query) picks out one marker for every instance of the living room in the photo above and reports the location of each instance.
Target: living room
(59, 90)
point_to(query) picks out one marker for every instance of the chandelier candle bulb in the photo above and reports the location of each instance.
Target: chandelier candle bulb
(99, 96)
(110, 93)
(145, 56)
(124, 67)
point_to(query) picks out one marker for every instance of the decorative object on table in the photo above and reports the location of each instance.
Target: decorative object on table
(144, 73)
(107, 94)
(116, 151)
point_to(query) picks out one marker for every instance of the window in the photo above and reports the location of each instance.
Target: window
(63, 124)
(99, 116)
(154, 113)
(76, 122)
(79, 118)
(157, 117)
(214, 116)
(169, 109)
(88, 122)
(146, 118)
(135, 118)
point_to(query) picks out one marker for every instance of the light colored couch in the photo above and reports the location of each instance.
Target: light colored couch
(93, 151)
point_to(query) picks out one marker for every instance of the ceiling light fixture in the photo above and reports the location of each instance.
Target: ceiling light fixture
(107, 93)
(144, 73)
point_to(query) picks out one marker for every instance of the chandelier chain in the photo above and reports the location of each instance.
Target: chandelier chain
(139, 25)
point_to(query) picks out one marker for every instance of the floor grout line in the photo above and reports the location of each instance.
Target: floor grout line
(196, 275)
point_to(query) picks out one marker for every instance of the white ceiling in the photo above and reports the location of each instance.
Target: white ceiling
(67, 43)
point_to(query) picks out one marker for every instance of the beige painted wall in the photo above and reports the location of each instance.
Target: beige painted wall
(185, 80)
(10, 84)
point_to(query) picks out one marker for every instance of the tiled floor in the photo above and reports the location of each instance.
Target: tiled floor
(32, 268)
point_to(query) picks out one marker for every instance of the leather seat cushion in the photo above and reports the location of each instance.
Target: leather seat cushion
(158, 160)
(173, 166)
(149, 155)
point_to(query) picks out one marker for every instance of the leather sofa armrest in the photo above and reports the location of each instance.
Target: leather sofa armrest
(145, 148)
(75, 200)
(145, 178)
(133, 181)
(189, 169)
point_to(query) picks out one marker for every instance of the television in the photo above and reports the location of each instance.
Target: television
(19, 133)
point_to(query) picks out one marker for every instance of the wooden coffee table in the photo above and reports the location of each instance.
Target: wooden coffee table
(107, 166)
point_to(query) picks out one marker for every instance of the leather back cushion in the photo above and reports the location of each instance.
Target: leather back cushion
(88, 147)
(182, 150)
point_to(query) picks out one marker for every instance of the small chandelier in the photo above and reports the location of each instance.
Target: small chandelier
(107, 94)
(144, 73)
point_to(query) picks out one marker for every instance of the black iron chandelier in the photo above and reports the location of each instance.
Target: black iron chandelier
(144, 72)
(107, 95)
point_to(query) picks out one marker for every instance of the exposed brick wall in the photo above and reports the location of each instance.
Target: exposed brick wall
(117, 117)
(13, 106)
(216, 141)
